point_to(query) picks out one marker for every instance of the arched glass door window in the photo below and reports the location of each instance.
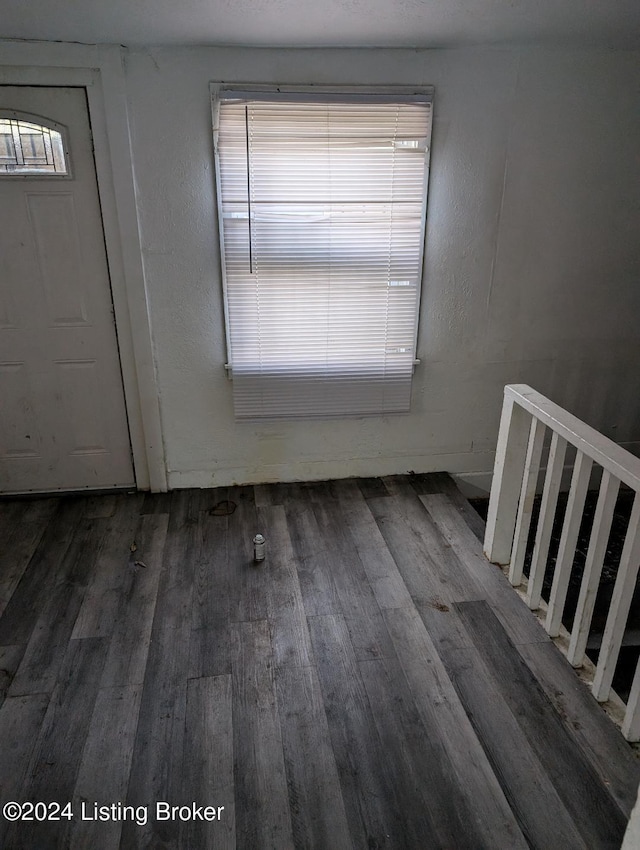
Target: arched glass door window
(30, 145)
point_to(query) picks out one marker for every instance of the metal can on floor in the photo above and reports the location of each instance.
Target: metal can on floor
(258, 548)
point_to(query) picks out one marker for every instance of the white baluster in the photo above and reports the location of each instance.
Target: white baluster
(548, 504)
(511, 450)
(568, 539)
(593, 567)
(527, 496)
(619, 608)
(631, 723)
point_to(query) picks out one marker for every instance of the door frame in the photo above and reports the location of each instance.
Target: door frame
(99, 70)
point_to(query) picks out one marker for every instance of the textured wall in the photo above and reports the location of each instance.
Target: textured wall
(532, 256)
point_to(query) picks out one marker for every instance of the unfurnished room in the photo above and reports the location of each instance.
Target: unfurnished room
(320, 425)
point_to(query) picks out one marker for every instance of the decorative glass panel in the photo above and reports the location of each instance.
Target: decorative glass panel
(27, 148)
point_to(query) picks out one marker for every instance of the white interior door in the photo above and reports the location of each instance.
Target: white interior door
(63, 422)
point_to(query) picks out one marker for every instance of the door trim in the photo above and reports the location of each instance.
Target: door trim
(99, 69)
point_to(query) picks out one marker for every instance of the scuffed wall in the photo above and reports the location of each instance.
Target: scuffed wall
(532, 256)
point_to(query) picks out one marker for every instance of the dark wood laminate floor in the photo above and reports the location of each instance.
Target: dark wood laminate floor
(373, 684)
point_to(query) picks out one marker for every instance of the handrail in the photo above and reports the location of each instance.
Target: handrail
(526, 416)
(607, 454)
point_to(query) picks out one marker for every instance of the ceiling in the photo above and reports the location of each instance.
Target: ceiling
(326, 23)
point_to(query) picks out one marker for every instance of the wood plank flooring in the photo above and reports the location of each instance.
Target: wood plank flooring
(373, 684)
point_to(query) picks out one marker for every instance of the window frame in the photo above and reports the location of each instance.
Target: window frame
(306, 93)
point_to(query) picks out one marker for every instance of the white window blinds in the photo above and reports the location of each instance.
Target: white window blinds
(322, 205)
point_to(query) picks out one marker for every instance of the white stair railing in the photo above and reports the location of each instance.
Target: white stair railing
(526, 417)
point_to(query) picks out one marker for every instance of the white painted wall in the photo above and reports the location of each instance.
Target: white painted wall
(532, 259)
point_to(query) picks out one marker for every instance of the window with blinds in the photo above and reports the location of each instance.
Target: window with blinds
(322, 202)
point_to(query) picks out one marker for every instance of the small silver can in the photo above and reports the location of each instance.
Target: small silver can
(258, 548)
